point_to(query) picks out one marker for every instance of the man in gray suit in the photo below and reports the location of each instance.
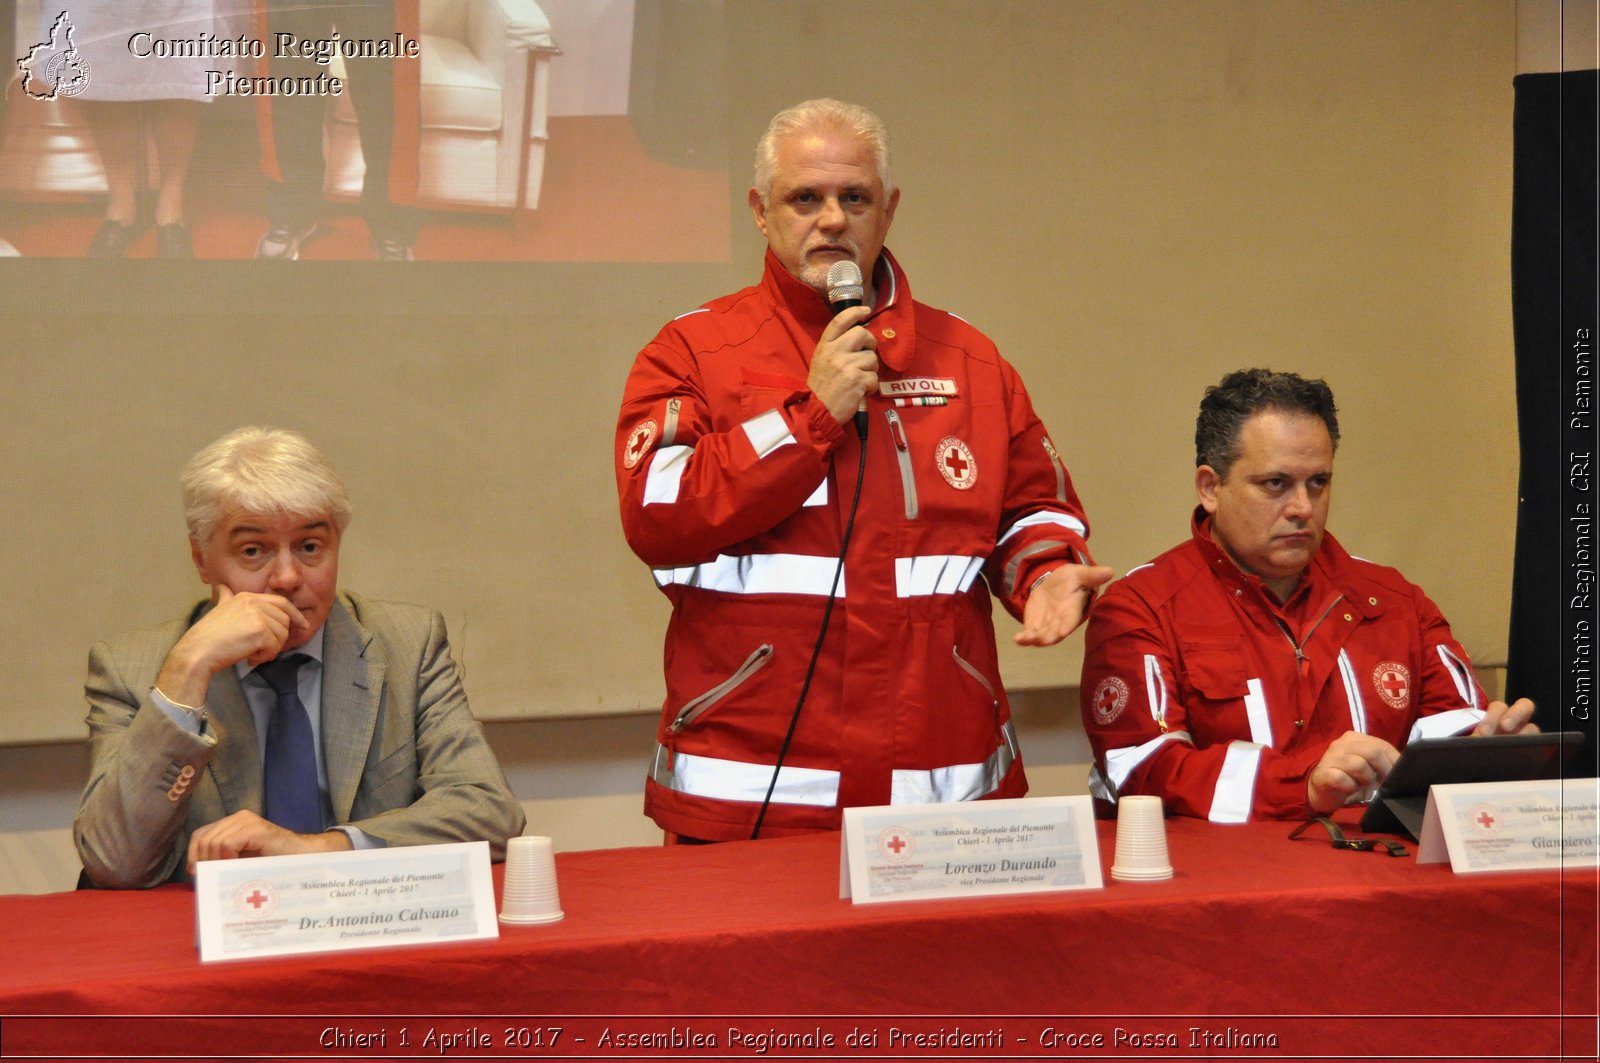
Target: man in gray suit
(281, 716)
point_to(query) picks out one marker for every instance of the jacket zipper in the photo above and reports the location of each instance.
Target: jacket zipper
(972, 670)
(669, 431)
(1061, 470)
(908, 482)
(1299, 647)
(698, 707)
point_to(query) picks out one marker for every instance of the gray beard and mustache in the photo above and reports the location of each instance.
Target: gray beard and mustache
(815, 274)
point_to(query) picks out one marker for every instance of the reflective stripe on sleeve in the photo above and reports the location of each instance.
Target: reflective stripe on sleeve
(1445, 724)
(666, 470)
(757, 574)
(1236, 785)
(1255, 709)
(918, 577)
(736, 780)
(1120, 763)
(1065, 520)
(958, 782)
(1352, 694)
(767, 432)
(1012, 566)
(1462, 674)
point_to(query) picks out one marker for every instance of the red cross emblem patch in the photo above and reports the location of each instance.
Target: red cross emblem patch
(1393, 682)
(639, 440)
(956, 463)
(1110, 698)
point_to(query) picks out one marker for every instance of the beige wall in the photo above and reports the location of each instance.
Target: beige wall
(1131, 197)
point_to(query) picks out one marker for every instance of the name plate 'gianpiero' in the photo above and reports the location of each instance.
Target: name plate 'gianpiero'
(969, 849)
(1512, 826)
(326, 902)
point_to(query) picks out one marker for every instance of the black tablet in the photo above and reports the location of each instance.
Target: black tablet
(1403, 798)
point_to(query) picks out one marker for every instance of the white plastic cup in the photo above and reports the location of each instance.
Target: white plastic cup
(1141, 840)
(529, 894)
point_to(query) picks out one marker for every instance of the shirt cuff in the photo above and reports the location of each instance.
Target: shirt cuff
(360, 839)
(193, 722)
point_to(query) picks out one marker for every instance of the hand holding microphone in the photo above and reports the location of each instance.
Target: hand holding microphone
(844, 366)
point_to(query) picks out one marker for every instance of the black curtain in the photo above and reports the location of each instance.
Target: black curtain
(1553, 296)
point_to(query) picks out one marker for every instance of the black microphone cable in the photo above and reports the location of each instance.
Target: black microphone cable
(827, 614)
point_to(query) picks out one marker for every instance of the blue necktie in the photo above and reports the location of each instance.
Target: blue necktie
(289, 776)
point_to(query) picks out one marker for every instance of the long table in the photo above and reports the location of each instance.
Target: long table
(1333, 952)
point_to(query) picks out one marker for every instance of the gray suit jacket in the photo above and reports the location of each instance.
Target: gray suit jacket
(406, 761)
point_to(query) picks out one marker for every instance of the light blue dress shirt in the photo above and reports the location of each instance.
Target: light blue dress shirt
(261, 700)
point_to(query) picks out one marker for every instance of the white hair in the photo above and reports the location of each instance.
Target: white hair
(817, 116)
(261, 470)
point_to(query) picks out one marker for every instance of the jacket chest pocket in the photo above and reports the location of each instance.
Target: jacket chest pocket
(1216, 681)
(1225, 701)
(760, 392)
(1214, 669)
(946, 465)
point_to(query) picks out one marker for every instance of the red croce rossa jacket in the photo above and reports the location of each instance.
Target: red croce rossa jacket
(735, 485)
(1194, 690)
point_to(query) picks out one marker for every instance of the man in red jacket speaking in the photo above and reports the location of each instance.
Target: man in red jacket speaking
(747, 429)
(1258, 669)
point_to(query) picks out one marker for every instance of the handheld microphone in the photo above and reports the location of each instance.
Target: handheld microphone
(846, 289)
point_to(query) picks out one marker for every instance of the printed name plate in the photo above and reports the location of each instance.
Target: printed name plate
(324, 902)
(968, 849)
(1512, 826)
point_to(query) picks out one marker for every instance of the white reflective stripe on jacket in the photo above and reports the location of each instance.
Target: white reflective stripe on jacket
(736, 780)
(915, 577)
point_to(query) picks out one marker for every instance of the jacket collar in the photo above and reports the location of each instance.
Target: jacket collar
(1332, 565)
(893, 320)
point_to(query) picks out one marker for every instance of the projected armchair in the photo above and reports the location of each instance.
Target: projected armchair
(484, 100)
(45, 148)
(46, 151)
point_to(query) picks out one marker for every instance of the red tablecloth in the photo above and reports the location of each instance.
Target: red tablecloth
(1380, 951)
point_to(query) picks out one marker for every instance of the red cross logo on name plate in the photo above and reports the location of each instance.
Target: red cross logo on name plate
(256, 898)
(956, 463)
(1393, 683)
(1485, 819)
(896, 844)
